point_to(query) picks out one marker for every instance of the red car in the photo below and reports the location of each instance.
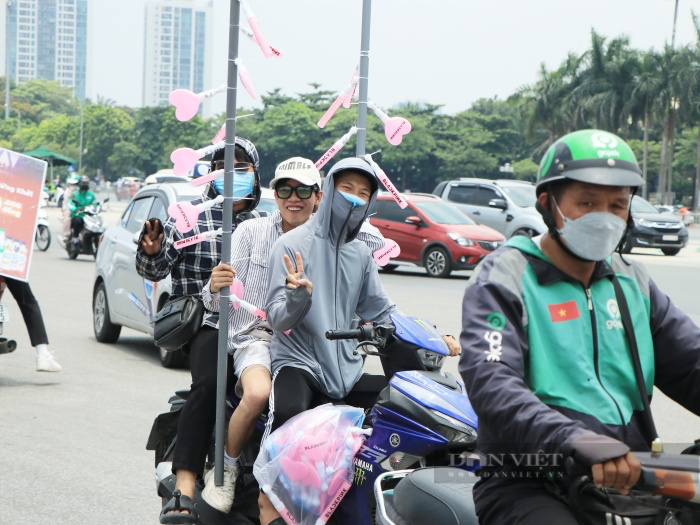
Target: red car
(433, 233)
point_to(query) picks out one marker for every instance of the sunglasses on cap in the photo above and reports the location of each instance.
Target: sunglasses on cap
(238, 166)
(284, 191)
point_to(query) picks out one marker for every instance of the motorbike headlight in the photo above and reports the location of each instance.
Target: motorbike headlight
(455, 423)
(430, 359)
(459, 239)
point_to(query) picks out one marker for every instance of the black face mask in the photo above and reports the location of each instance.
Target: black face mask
(84, 188)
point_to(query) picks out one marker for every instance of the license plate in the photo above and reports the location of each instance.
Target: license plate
(669, 237)
(4, 314)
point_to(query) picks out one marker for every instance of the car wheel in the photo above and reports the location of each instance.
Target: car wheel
(105, 331)
(389, 268)
(526, 232)
(42, 237)
(176, 359)
(437, 262)
(670, 251)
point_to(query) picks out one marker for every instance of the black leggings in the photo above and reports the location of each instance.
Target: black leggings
(295, 390)
(77, 224)
(198, 416)
(31, 312)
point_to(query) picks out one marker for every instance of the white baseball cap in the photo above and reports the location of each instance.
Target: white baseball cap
(299, 169)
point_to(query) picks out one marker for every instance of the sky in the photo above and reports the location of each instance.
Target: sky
(449, 52)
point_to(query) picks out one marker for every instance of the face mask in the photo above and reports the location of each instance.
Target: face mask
(353, 199)
(594, 236)
(242, 185)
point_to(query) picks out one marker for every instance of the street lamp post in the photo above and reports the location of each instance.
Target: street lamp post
(80, 156)
(7, 61)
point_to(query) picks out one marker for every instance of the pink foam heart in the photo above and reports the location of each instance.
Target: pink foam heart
(300, 472)
(184, 160)
(186, 104)
(395, 128)
(390, 250)
(185, 215)
(237, 288)
(247, 81)
(315, 446)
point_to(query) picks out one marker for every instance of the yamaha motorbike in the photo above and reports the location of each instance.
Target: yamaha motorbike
(422, 418)
(87, 241)
(6, 345)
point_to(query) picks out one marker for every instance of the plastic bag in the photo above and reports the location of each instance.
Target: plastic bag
(305, 466)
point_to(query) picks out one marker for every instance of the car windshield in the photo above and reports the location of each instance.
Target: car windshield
(522, 195)
(639, 205)
(188, 192)
(443, 213)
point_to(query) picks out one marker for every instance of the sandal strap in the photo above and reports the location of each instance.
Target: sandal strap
(172, 511)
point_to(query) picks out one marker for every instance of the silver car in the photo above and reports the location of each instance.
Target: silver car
(507, 206)
(121, 297)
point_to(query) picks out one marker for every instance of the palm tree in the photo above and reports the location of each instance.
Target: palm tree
(642, 103)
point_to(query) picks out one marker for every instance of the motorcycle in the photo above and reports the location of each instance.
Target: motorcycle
(444, 494)
(422, 418)
(42, 237)
(87, 241)
(6, 345)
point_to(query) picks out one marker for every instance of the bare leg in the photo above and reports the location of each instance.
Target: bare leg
(256, 384)
(185, 481)
(268, 513)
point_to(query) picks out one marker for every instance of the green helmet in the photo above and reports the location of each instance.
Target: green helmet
(592, 156)
(73, 179)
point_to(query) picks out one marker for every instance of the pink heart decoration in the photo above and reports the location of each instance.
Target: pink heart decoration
(390, 250)
(184, 160)
(315, 446)
(237, 288)
(186, 104)
(395, 128)
(246, 81)
(300, 472)
(185, 215)
(260, 37)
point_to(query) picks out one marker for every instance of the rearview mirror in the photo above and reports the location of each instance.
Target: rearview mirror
(105, 200)
(414, 219)
(498, 204)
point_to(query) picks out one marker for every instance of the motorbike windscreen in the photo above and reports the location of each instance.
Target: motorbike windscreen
(419, 332)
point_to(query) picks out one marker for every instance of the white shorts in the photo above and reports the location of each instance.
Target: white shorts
(256, 353)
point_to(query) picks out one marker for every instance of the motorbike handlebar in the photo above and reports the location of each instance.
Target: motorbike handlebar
(343, 334)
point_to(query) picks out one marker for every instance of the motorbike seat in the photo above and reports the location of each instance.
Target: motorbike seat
(436, 495)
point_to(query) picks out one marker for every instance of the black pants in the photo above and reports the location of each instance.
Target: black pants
(30, 311)
(76, 225)
(295, 390)
(198, 416)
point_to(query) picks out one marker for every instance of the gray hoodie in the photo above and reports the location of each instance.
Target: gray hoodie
(345, 284)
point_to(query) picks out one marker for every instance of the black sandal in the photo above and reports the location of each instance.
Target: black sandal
(171, 513)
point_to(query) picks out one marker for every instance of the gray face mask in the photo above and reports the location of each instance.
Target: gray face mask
(594, 236)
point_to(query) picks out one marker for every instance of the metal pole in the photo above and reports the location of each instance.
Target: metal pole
(80, 155)
(221, 371)
(364, 78)
(7, 59)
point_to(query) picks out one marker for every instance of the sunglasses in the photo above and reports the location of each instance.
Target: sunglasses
(284, 191)
(237, 166)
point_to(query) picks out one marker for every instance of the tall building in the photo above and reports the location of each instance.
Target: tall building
(175, 54)
(47, 39)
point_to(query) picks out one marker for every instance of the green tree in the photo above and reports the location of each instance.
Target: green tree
(103, 127)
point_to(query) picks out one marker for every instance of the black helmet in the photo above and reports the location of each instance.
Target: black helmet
(84, 182)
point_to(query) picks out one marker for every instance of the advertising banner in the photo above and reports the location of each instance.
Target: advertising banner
(21, 183)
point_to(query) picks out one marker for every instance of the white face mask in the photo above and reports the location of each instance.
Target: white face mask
(593, 236)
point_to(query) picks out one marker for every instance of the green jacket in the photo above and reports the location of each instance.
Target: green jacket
(84, 198)
(547, 362)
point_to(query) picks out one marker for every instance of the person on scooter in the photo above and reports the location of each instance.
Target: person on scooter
(190, 268)
(546, 350)
(320, 277)
(77, 203)
(297, 186)
(71, 188)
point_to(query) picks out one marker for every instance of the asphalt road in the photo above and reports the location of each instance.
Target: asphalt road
(72, 444)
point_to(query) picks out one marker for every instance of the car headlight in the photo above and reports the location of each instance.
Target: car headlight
(459, 239)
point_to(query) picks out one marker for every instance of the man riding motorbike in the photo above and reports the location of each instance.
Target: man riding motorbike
(77, 203)
(548, 359)
(297, 186)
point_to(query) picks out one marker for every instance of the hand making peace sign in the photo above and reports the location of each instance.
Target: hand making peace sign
(294, 279)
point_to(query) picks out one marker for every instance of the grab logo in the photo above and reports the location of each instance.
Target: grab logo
(494, 339)
(614, 311)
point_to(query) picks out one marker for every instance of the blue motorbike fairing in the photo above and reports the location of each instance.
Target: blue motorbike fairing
(435, 396)
(419, 332)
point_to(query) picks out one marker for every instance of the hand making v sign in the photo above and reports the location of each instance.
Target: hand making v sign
(294, 279)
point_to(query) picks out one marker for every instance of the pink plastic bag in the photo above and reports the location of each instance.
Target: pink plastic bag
(305, 467)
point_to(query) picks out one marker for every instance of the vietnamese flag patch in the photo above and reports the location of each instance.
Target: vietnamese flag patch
(567, 311)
